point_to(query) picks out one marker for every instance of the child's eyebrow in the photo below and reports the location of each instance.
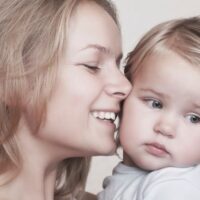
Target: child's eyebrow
(153, 91)
(195, 105)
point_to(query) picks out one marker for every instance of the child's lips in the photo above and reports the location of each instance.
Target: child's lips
(156, 149)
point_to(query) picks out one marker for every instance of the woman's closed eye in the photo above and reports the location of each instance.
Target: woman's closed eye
(153, 103)
(92, 68)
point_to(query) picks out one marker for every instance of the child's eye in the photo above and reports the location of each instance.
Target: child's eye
(153, 103)
(193, 118)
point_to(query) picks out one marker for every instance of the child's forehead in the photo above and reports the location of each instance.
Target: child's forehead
(167, 54)
(169, 74)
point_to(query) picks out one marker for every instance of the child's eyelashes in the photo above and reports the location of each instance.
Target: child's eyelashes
(193, 118)
(153, 103)
(157, 104)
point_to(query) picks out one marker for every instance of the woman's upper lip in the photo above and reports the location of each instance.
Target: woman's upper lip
(115, 110)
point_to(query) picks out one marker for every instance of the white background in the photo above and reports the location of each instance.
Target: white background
(136, 17)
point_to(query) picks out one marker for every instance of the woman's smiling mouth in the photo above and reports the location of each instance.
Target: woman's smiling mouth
(110, 116)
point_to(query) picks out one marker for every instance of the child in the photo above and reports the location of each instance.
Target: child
(160, 127)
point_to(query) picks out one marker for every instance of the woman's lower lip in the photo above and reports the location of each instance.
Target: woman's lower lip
(156, 151)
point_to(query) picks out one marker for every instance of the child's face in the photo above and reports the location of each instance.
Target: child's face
(161, 117)
(89, 87)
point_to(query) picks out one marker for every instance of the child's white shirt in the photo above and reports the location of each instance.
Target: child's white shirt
(132, 183)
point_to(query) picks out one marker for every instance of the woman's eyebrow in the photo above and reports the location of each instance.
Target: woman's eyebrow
(103, 50)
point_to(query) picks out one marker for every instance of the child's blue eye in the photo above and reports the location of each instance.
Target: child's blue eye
(194, 119)
(154, 103)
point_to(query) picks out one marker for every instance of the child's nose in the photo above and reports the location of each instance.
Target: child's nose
(166, 126)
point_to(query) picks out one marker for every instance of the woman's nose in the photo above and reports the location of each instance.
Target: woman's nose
(118, 86)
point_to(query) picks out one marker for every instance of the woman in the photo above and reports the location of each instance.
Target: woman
(60, 94)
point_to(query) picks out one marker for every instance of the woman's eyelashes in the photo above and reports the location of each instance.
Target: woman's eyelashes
(94, 68)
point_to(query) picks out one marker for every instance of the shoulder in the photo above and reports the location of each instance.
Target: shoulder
(172, 184)
(173, 173)
(122, 184)
(172, 190)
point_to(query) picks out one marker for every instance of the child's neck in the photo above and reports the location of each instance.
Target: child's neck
(127, 161)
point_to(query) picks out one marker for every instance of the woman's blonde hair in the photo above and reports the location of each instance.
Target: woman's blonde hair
(181, 36)
(33, 35)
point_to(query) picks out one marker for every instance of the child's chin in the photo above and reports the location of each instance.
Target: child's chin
(150, 166)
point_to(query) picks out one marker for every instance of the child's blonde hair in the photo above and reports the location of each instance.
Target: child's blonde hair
(181, 36)
(33, 35)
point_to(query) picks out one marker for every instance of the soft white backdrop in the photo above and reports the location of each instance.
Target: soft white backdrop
(136, 17)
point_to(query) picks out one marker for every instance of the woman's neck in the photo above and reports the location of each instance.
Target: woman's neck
(31, 184)
(37, 177)
(33, 181)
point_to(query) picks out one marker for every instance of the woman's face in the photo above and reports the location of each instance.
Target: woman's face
(89, 87)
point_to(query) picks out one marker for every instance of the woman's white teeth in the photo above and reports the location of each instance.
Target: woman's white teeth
(105, 115)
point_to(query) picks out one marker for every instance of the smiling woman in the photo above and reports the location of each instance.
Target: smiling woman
(61, 90)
